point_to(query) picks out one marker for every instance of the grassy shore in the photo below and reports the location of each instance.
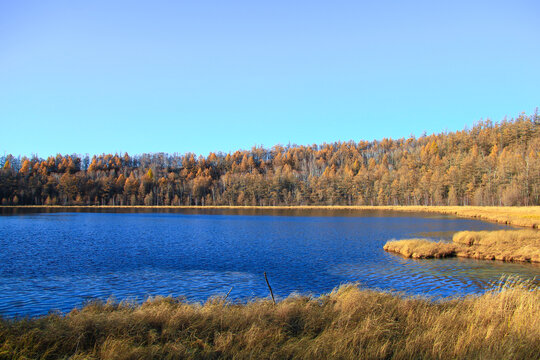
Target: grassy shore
(349, 323)
(526, 216)
(506, 245)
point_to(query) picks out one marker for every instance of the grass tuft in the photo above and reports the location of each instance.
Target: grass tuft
(421, 248)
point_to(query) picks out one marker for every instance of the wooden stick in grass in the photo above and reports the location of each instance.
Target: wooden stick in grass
(226, 296)
(270, 288)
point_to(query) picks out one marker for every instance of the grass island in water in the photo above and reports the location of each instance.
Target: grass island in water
(506, 245)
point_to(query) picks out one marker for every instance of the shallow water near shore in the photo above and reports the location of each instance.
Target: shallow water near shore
(58, 259)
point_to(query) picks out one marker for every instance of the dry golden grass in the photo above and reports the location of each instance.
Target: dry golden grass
(506, 245)
(526, 216)
(421, 248)
(349, 323)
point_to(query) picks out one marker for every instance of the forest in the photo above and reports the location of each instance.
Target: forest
(492, 163)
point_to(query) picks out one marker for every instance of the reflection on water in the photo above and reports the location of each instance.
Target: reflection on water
(59, 260)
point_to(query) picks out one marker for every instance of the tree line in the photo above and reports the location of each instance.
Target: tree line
(488, 164)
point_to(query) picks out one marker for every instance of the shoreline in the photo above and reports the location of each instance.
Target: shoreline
(523, 216)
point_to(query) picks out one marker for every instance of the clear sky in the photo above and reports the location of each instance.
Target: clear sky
(177, 76)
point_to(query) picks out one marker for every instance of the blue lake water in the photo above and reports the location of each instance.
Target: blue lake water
(59, 260)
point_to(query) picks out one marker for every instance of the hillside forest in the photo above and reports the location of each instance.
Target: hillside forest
(488, 164)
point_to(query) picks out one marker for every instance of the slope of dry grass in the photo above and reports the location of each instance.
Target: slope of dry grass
(349, 323)
(506, 245)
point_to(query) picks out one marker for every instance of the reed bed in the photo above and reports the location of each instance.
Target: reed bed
(506, 245)
(524, 216)
(349, 323)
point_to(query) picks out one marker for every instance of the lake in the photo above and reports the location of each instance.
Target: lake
(58, 260)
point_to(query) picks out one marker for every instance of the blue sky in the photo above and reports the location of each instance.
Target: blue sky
(200, 76)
